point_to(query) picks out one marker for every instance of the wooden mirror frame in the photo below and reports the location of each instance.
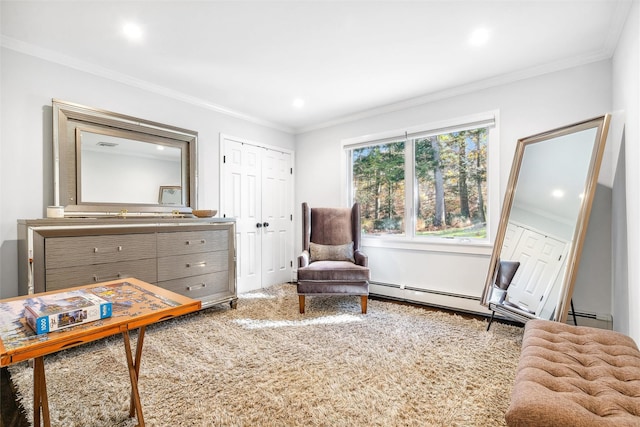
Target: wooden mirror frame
(560, 313)
(69, 117)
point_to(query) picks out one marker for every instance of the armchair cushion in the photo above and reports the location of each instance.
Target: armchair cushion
(330, 271)
(331, 252)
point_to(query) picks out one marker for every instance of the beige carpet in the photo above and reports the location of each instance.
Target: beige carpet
(266, 365)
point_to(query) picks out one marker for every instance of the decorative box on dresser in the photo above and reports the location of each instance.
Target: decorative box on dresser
(189, 256)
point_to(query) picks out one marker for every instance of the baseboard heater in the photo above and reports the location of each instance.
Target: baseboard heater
(396, 289)
(427, 291)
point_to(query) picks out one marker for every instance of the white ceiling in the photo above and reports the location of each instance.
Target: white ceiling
(346, 59)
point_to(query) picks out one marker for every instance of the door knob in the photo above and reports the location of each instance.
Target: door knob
(258, 225)
(265, 224)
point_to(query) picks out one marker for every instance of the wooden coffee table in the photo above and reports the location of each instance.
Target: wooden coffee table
(135, 303)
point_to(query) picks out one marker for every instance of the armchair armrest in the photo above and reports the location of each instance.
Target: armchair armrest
(361, 258)
(303, 259)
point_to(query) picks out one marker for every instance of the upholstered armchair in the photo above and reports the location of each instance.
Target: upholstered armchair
(331, 262)
(504, 276)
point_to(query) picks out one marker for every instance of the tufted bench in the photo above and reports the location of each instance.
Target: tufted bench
(575, 376)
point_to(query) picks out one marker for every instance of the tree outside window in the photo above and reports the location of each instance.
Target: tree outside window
(449, 192)
(378, 183)
(451, 177)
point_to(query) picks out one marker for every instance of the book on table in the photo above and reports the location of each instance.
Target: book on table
(50, 313)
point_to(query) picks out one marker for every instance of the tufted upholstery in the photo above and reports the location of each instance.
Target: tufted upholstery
(575, 376)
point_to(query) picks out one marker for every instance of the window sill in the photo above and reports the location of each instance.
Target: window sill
(456, 246)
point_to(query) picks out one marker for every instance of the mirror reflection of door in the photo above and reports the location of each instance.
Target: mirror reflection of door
(541, 260)
(544, 218)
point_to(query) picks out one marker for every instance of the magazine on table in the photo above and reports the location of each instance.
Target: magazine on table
(50, 313)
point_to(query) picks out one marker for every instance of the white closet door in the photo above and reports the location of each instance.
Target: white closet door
(541, 258)
(257, 191)
(277, 238)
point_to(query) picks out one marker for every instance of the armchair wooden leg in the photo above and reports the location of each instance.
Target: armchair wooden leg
(301, 303)
(363, 303)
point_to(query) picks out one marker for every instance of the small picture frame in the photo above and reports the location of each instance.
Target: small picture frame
(170, 195)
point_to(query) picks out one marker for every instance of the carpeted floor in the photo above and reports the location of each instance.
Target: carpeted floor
(264, 364)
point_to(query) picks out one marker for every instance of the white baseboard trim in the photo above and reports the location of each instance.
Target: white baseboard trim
(449, 301)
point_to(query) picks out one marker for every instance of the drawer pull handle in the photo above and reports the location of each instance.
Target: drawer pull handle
(104, 279)
(191, 242)
(197, 264)
(95, 250)
(198, 286)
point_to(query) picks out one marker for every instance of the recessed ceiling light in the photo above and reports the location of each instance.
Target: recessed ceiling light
(160, 147)
(132, 31)
(479, 37)
(298, 102)
(558, 194)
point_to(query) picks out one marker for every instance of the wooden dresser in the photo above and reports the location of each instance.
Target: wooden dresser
(192, 257)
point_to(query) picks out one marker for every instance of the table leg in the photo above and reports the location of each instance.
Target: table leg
(134, 369)
(132, 408)
(40, 399)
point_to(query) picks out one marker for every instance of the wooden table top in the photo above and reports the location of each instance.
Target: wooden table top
(134, 304)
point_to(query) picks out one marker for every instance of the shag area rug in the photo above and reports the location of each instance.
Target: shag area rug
(264, 364)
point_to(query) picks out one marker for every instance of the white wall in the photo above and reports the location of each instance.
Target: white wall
(626, 191)
(28, 84)
(526, 107)
(117, 178)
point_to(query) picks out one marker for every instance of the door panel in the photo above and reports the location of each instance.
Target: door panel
(541, 258)
(278, 243)
(242, 186)
(511, 237)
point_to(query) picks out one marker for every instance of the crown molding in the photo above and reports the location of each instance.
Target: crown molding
(465, 89)
(80, 65)
(616, 26)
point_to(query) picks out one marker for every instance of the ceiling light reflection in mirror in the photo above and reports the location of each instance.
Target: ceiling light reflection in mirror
(121, 170)
(132, 31)
(479, 37)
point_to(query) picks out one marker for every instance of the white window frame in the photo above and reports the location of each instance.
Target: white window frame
(409, 240)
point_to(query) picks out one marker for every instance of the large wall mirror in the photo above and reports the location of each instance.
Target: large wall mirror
(107, 163)
(544, 219)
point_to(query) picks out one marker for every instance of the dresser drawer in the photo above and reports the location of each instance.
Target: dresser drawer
(200, 286)
(190, 242)
(87, 250)
(60, 278)
(192, 265)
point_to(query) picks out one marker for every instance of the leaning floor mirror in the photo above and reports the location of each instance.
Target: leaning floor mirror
(544, 219)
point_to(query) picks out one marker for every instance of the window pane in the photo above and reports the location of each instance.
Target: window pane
(451, 172)
(378, 184)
